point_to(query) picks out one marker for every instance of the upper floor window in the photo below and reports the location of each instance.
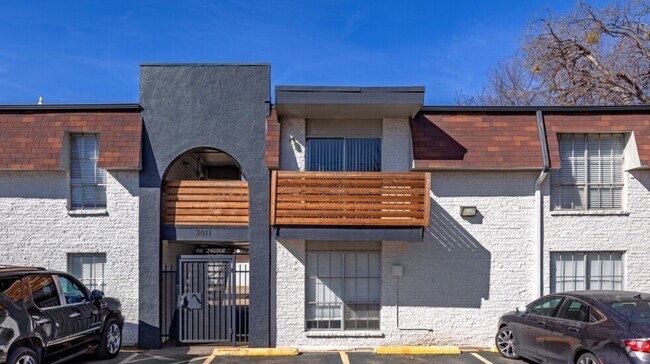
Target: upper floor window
(344, 154)
(87, 181)
(591, 172)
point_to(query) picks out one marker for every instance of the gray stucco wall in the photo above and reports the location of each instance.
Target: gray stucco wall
(218, 106)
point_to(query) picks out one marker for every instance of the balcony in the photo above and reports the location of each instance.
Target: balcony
(349, 199)
(206, 203)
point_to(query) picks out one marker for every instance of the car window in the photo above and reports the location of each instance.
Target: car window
(637, 311)
(71, 291)
(44, 293)
(11, 292)
(544, 307)
(575, 310)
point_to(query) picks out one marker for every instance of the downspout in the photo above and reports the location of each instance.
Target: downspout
(539, 209)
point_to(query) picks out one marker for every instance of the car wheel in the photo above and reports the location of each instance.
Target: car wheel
(505, 341)
(111, 341)
(588, 358)
(22, 355)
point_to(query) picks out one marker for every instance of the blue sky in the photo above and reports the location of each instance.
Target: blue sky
(90, 51)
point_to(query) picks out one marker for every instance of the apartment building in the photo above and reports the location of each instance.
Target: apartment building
(332, 216)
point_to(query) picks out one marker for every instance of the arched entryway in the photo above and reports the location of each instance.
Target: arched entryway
(204, 249)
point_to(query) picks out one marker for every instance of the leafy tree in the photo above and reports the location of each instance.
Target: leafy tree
(589, 57)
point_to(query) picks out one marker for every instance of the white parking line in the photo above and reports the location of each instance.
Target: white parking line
(479, 357)
(128, 360)
(209, 359)
(191, 360)
(344, 357)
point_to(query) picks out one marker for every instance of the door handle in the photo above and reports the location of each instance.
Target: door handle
(42, 321)
(573, 329)
(74, 314)
(541, 322)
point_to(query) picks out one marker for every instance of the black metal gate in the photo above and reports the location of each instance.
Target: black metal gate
(206, 298)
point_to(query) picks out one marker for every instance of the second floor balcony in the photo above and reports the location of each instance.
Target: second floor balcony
(364, 199)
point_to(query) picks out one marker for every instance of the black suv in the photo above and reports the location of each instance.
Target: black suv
(50, 316)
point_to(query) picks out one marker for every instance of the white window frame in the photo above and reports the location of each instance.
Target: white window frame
(342, 304)
(557, 184)
(79, 205)
(557, 282)
(90, 282)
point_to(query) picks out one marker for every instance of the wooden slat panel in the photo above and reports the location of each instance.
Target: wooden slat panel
(351, 175)
(348, 191)
(419, 206)
(349, 198)
(349, 222)
(206, 203)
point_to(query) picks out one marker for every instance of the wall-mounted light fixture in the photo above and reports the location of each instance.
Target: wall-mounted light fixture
(468, 211)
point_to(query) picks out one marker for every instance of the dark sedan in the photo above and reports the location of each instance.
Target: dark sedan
(582, 327)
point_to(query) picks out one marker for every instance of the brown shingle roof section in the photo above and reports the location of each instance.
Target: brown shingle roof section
(476, 141)
(273, 141)
(636, 122)
(33, 139)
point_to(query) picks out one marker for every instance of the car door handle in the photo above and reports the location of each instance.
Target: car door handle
(541, 322)
(74, 314)
(42, 321)
(573, 329)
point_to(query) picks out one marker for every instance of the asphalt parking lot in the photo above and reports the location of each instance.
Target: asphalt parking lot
(185, 355)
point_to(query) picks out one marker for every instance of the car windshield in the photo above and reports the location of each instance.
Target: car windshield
(637, 311)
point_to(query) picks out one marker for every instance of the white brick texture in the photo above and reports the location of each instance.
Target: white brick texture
(37, 230)
(395, 145)
(456, 283)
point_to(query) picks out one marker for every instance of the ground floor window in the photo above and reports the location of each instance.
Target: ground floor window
(89, 269)
(586, 270)
(343, 290)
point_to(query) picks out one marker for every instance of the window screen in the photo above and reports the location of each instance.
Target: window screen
(89, 269)
(343, 290)
(591, 172)
(574, 271)
(87, 181)
(344, 154)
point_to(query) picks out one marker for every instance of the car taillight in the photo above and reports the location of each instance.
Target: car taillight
(642, 345)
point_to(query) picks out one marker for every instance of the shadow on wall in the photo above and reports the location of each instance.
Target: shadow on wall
(453, 268)
(643, 176)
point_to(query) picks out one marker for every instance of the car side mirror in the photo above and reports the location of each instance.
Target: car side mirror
(96, 295)
(521, 309)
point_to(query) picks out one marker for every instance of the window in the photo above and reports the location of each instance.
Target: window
(11, 292)
(89, 269)
(71, 291)
(87, 181)
(44, 293)
(343, 290)
(575, 310)
(590, 174)
(344, 154)
(583, 271)
(545, 307)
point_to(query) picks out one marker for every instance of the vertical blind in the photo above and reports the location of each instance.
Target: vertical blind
(344, 154)
(343, 290)
(89, 269)
(591, 172)
(582, 271)
(87, 181)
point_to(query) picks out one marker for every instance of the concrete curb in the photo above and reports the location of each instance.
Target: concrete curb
(416, 350)
(255, 352)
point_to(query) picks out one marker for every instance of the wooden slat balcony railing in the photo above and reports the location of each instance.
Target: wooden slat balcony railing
(206, 203)
(350, 198)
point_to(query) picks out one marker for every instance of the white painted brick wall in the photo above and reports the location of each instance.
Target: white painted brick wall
(603, 233)
(36, 229)
(456, 283)
(292, 155)
(395, 145)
